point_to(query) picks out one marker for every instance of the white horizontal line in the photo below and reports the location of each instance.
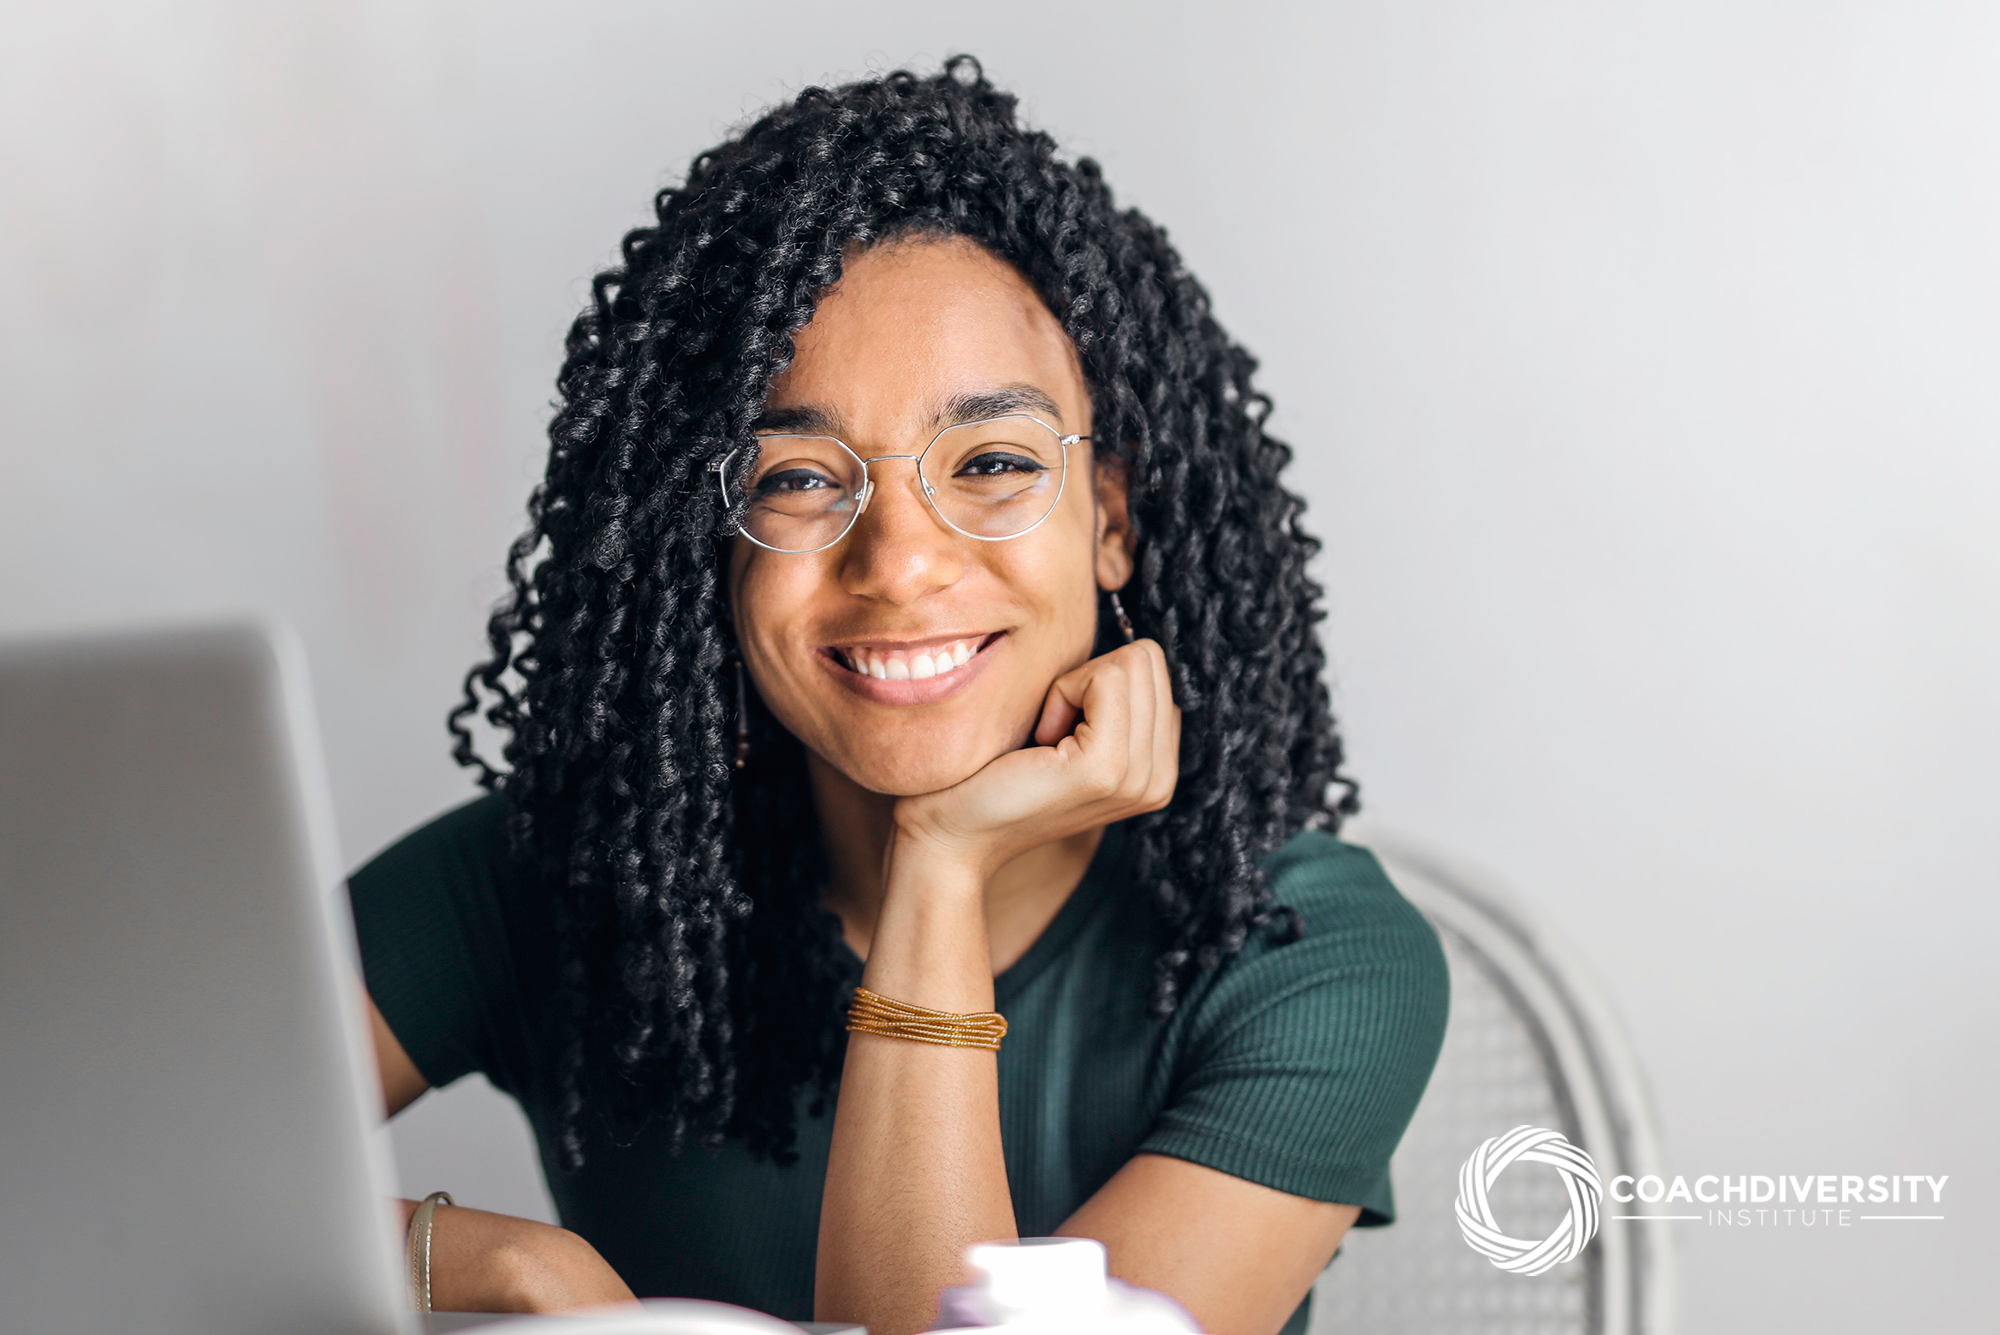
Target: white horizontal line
(1901, 1216)
(1658, 1216)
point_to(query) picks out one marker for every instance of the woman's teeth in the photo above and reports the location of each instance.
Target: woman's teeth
(902, 665)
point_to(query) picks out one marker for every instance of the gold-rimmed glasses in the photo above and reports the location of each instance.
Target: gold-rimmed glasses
(993, 479)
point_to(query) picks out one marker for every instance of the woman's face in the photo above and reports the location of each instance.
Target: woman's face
(918, 335)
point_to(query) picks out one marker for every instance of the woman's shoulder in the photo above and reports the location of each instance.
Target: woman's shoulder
(1305, 1053)
(1356, 937)
(452, 932)
(468, 841)
(1335, 887)
(453, 875)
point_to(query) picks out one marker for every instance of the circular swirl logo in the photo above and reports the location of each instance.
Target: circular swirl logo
(1533, 1144)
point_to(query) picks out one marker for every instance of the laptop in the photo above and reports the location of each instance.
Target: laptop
(188, 1103)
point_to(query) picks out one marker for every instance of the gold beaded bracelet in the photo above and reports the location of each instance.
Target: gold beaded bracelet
(873, 1013)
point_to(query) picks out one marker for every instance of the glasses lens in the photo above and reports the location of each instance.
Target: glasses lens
(802, 491)
(995, 478)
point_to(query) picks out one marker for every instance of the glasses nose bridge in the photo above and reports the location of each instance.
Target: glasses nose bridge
(916, 459)
(868, 483)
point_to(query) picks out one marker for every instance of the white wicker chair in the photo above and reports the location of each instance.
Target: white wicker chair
(1530, 1041)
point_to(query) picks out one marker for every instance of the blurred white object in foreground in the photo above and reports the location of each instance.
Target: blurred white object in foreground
(658, 1316)
(1055, 1285)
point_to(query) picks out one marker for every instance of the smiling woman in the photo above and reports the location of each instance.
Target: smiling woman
(819, 687)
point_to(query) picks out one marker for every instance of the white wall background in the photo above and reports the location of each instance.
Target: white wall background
(1641, 360)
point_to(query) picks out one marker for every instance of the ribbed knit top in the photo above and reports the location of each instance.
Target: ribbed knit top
(1295, 1065)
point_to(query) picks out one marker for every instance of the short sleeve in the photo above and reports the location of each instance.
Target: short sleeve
(440, 957)
(1304, 1061)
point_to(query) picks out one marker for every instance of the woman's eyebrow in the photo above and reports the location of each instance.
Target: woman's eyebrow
(807, 419)
(996, 403)
(812, 419)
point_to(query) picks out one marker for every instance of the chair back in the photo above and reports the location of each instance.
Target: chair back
(1530, 1042)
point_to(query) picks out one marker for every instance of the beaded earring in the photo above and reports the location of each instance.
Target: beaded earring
(1124, 622)
(742, 718)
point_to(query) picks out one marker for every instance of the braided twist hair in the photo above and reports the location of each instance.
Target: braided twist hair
(701, 979)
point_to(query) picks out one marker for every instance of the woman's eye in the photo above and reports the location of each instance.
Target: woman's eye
(994, 463)
(792, 479)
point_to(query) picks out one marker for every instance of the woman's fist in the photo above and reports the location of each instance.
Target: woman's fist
(1107, 747)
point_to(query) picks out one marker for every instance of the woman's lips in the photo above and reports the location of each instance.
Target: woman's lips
(913, 672)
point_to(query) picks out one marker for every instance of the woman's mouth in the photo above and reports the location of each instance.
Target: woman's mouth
(911, 662)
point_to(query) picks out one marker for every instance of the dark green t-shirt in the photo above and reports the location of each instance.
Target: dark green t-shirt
(1295, 1065)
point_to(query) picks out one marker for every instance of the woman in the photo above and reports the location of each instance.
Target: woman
(912, 602)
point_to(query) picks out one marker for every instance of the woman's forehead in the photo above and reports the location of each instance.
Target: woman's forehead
(915, 328)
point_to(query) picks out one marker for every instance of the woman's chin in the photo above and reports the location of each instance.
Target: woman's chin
(915, 770)
(913, 780)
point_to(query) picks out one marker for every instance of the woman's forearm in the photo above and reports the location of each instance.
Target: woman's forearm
(483, 1262)
(915, 1174)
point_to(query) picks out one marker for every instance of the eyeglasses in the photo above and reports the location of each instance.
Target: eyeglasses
(993, 479)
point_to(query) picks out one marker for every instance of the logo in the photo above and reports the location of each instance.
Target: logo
(1533, 1144)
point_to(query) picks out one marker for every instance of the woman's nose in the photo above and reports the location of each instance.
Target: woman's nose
(899, 550)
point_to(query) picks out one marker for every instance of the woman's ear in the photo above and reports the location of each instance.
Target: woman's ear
(1115, 538)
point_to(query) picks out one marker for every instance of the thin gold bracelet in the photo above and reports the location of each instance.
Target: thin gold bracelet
(873, 1013)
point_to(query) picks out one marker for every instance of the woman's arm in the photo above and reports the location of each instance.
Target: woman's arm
(401, 1081)
(915, 1173)
(1237, 1255)
(483, 1262)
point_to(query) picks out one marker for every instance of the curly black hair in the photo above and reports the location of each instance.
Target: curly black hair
(701, 977)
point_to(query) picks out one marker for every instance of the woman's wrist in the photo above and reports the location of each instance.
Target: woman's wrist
(421, 1226)
(935, 868)
(930, 945)
(483, 1262)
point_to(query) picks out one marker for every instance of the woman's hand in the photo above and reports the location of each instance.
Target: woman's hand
(1108, 747)
(483, 1262)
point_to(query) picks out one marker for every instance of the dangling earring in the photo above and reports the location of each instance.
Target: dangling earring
(742, 719)
(1124, 622)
